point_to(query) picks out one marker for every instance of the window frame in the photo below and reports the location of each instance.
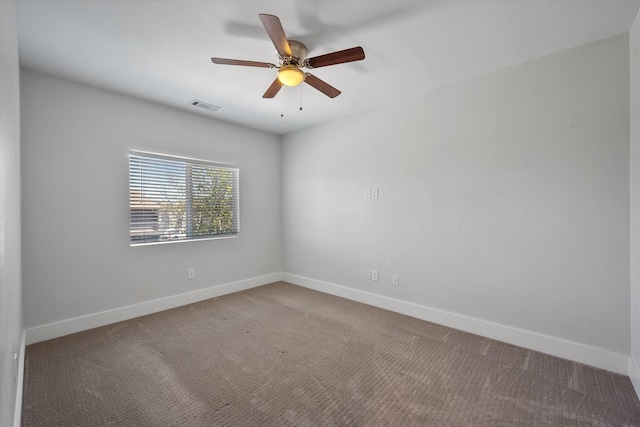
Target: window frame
(188, 163)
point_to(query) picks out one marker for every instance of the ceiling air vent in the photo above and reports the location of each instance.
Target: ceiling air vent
(204, 105)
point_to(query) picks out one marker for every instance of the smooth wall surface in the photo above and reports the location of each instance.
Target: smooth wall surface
(503, 198)
(634, 49)
(77, 258)
(10, 286)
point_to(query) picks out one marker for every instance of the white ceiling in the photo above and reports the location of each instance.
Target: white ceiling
(160, 50)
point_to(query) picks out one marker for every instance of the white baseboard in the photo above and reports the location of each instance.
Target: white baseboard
(559, 347)
(634, 375)
(83, 323)
(17, 413)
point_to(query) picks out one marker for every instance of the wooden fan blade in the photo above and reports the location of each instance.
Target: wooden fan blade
(225, 61)
(273, 89)
(274, 28)
(339, 57)
(321, 85)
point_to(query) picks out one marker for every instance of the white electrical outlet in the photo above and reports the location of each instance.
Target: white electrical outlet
(396, 280)
(368, 274)
(191, 273)
(374, 275)
(374, 193)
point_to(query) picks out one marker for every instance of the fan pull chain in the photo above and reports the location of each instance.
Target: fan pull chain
(284, 102)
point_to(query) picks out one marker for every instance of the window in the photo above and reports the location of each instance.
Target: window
(173, 198)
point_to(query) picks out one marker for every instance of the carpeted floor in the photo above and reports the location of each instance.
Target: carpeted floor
(282, 355)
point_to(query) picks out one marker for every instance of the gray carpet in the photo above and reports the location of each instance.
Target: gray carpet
(281, 355)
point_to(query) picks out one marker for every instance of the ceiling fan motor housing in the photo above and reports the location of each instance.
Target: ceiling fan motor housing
(298, 51)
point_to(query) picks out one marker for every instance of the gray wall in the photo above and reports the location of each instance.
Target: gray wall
(77, 258)
(503, 198)
(635, 203)
(10, 287)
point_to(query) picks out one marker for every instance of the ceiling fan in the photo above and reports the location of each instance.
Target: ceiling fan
(293, 57)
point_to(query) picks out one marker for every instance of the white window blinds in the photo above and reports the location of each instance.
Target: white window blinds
(173, 198)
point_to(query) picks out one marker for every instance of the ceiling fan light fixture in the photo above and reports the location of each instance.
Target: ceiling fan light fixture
(290, 75)
(292, 57)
